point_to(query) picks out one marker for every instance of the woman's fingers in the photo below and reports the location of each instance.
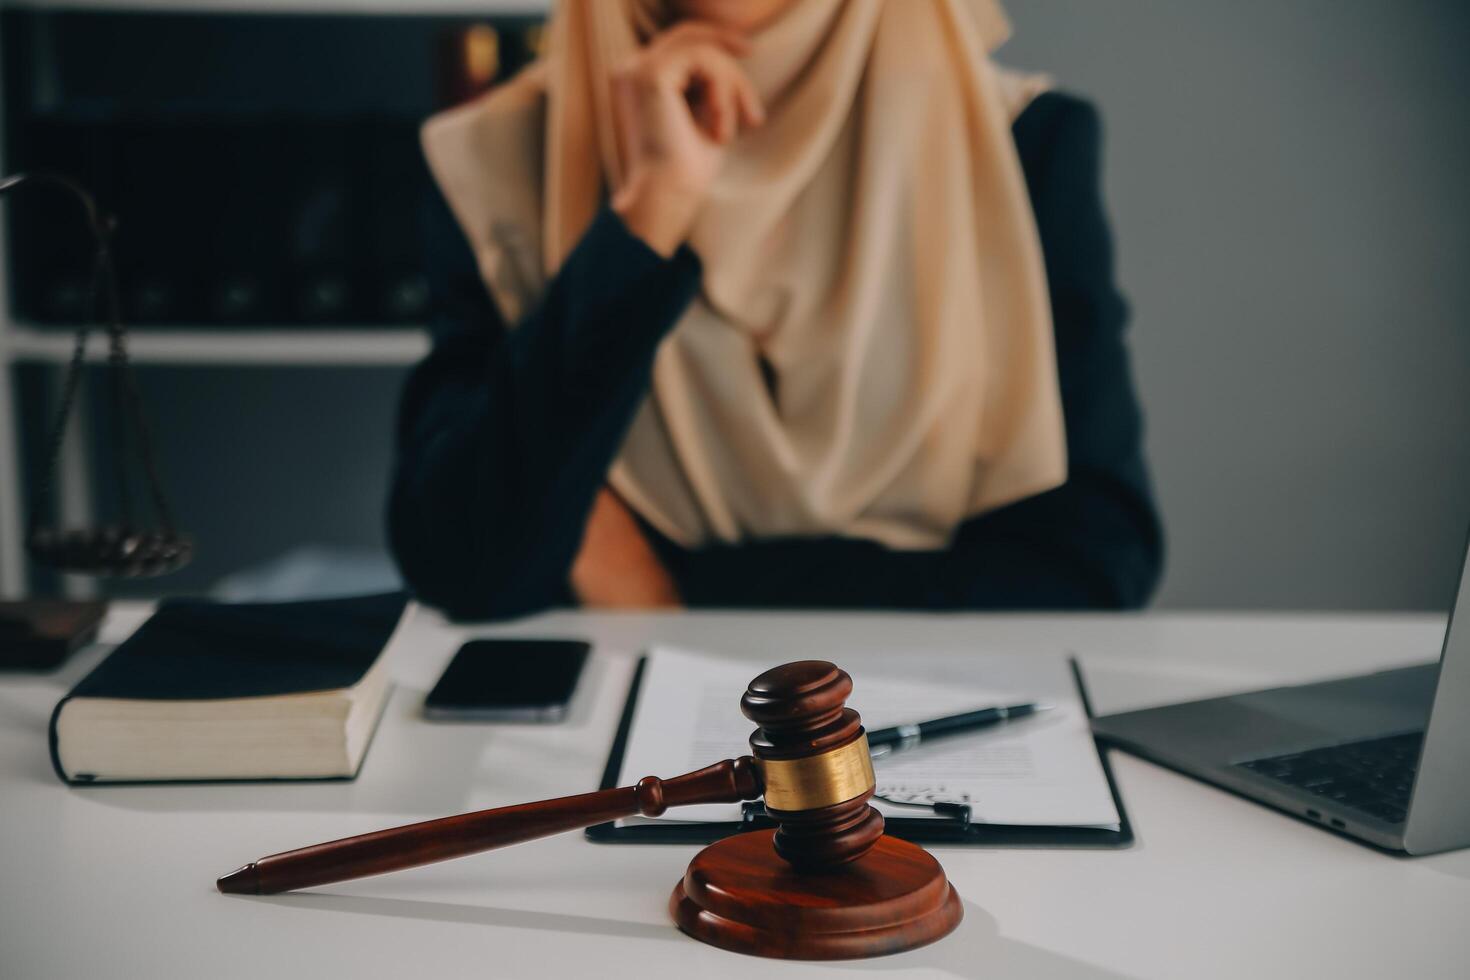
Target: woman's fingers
(678, 103)
(695, 32)
(732, 87)
(752, 110)
(719, 93)
(699, 60)
(714, 100)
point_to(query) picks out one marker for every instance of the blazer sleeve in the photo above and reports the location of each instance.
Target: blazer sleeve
(505, 435)
(1095, 541)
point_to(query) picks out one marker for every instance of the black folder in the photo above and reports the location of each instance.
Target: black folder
(918, 830)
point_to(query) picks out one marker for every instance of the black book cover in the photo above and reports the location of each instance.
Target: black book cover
(194, 649)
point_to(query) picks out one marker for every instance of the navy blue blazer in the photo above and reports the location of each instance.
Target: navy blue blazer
(505, 436)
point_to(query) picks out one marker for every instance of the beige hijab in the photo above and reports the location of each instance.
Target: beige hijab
(871, 354)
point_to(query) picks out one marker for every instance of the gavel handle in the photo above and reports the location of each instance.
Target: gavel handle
(469, 833)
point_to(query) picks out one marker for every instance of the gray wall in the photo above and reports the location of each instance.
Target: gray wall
(1290, 187)
(257, 461)
(1288, 184)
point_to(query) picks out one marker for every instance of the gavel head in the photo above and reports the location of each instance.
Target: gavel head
(813, 755)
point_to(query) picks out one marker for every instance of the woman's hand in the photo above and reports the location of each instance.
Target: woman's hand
(677, 107)
(616, 567)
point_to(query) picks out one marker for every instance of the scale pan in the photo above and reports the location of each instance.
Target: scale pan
(110, 551)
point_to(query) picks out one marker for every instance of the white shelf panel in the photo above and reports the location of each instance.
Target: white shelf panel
(343, 347)
(484, 8)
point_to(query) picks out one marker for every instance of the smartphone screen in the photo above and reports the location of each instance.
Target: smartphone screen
(508, 680)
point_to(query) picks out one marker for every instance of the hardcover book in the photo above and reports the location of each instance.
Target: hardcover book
(217, 691)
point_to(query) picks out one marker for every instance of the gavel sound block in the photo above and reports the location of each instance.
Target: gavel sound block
(826, 884)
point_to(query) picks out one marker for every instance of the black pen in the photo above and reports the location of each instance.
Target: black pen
(886, 740)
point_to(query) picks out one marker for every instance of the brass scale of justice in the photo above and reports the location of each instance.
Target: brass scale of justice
(826, 884)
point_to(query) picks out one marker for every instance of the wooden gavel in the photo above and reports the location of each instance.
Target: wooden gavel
(809, 760)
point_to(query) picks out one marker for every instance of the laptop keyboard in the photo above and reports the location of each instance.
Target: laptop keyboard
(1374, 776)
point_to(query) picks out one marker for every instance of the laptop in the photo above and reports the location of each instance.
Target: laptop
(1382, 757)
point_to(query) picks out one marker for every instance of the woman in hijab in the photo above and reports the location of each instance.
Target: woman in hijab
(772, 303)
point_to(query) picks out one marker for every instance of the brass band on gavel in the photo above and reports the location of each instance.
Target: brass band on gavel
(842, 774)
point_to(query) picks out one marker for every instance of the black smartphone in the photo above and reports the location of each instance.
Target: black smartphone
(508, 680)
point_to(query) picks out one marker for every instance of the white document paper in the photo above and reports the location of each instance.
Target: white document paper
(1042, 770)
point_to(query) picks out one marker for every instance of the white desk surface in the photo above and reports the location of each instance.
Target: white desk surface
(119, 881)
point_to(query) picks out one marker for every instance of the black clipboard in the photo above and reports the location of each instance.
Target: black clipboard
(917, 830)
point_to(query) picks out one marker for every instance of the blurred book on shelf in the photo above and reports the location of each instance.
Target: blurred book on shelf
(263, 169)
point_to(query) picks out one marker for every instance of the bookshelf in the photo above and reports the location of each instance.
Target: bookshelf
(255, 346)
